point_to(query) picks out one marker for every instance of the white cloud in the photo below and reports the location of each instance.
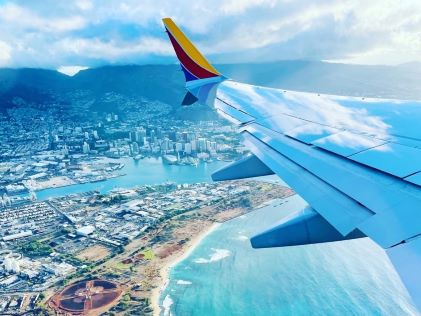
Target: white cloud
(50, 33)
(5, 53)
(112, 50)
(71, 70)
(20, 18)
(84, 5)
(237, 7)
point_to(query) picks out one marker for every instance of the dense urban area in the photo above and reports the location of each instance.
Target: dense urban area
(116, 241)
(116, 236)
(46, 146)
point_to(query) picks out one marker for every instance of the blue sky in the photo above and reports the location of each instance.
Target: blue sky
(89, 33)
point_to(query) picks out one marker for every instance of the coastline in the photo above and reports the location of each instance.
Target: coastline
(145, 264)
(165, 269)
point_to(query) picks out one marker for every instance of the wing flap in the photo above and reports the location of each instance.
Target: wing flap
(247, 167)
(342, 212)
(302, 228)
(378, 192)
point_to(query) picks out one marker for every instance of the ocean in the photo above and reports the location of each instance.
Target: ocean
(224, 276)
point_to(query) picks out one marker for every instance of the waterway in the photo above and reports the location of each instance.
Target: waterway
(140, 172)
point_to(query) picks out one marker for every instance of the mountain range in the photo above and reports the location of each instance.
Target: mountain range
(164, 83)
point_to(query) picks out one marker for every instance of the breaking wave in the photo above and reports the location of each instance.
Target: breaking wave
(217, 255)
(183, 282)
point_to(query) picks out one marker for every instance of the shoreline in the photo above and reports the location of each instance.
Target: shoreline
(165, 269)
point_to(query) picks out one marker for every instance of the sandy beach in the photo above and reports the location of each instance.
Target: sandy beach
(143, 267)
(172, 261)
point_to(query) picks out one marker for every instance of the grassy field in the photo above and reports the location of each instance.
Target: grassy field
(148, 253)
(121, 266)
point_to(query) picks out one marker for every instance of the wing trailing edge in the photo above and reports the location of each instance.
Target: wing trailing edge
(247, 167)
(302, 228)
(406, 257)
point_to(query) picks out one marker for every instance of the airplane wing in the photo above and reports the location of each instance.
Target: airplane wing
(356, 161)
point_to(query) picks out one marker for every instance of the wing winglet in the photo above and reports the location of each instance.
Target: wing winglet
(194, 65)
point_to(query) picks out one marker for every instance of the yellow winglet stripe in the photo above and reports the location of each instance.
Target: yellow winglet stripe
(188, 47)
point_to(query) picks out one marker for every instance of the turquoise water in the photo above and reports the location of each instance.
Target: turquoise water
(225, 276)
(145, 171)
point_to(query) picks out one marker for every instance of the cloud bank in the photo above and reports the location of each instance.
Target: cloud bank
(90, 33)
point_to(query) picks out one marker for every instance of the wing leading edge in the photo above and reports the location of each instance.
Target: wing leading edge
(356, 161)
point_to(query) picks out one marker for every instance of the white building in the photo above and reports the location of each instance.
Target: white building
(178, 147)
(187, 148)
(11, 265)
(193, 144)
(18, 235)
(85, 230)
(85, 148)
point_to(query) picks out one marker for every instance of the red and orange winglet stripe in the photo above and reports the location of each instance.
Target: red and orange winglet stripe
(194, 64)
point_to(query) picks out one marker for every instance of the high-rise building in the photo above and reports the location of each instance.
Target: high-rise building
(185, 136)
(159, 133)
(153, 136)
(178, 147)
(187, 148)
(166, 144)
(201, 144)
(135, 148)
(86, 148)
(132, 136)
(212, 146)
(172, 135)
(193, 136)
(140, 135)
(65, 150)
(193, 144)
